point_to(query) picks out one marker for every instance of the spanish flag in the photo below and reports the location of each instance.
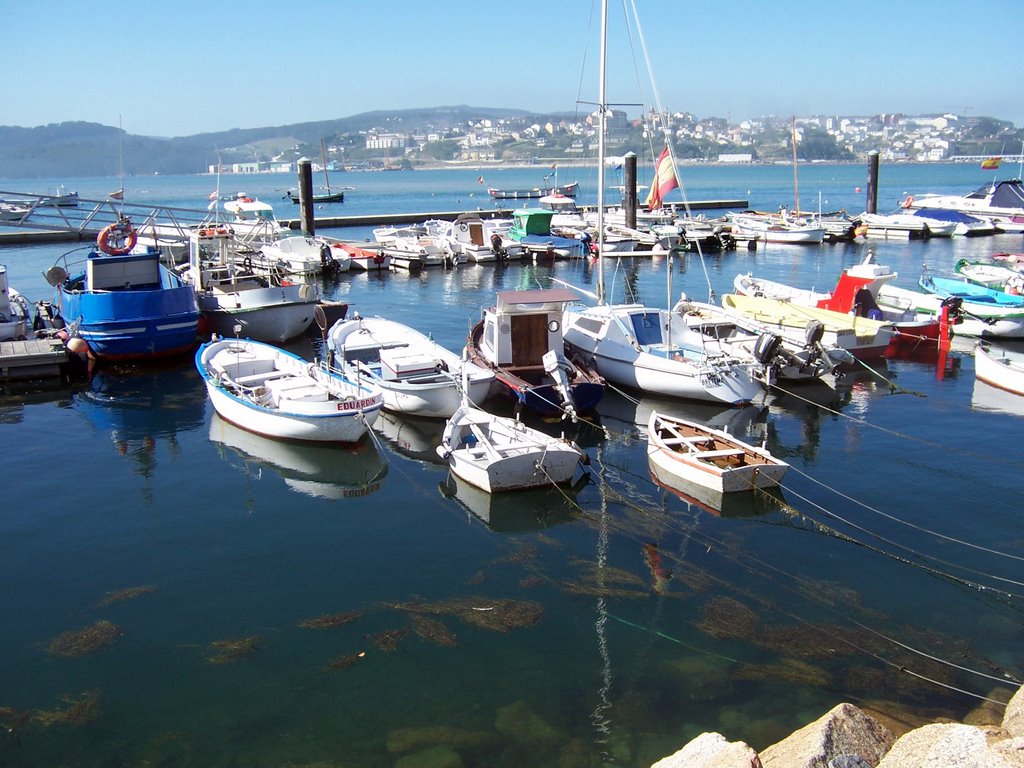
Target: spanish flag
(990, 164)
(664, 180)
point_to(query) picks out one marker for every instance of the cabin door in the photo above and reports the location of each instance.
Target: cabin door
(529, 339)
(476, 233)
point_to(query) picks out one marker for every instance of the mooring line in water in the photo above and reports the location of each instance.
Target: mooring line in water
(766, 570)
(910, 550)
(676, 640)
(745, 561)
(894, 433)
(895, 519)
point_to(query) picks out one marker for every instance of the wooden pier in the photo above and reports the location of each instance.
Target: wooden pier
(32, 359)
(383, 219)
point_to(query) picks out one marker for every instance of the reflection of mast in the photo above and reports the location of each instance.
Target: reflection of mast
(599, 716)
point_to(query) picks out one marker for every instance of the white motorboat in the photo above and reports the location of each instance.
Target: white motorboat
(360, 259)
(964, 224)
(521, 340)
(14, 311)
(678, 449)
(304, 256)
(904, 225)
(999, 367)
(275, 393)
(253, 220)
(499, 453)
(721, 332)
(230, 292)
(476, 240)
(418, 376)
(1001, 201)
(644, 348)
(772, 228)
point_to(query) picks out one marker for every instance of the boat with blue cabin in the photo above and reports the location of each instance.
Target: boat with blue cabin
(124, 303)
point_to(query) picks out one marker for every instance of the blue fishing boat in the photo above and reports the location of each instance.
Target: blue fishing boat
(124, 303)
(951, 287)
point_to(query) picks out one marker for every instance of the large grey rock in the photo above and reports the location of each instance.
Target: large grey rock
(843, 730)
(711, 750)
(1013, 719)
(954, 745)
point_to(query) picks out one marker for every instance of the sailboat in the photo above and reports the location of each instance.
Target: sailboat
(325, 197)
(647, 348)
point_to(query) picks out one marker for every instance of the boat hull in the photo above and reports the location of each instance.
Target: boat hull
(730, 466)
(496, 453)
(998, 369)
(131, 325)
(272, 315)
(342, 416)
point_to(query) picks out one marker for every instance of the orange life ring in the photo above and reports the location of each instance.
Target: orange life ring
(247, 200)
(909, 201)
(122, 232)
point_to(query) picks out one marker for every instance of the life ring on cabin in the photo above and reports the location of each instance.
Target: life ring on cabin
(117, 239)
(908, 201)
(246, 200)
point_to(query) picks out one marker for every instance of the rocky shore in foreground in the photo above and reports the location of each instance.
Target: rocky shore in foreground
(848, 737)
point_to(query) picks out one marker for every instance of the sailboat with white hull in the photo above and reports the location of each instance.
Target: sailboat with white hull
(644, 348)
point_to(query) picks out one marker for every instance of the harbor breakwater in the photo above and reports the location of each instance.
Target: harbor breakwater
(848, 736)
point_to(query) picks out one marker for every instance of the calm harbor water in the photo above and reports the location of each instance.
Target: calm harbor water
(543, 629)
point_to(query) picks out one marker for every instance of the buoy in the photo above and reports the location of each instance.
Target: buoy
(856, 189)
(78, 346)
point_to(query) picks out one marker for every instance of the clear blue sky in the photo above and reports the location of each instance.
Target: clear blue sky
(186, 67)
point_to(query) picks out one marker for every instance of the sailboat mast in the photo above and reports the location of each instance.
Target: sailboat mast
(601, 109)
(796, 186)
(323, 159)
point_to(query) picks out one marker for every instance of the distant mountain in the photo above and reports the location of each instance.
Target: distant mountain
(90, 149)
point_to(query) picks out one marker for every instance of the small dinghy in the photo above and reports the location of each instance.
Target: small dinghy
(712, 458)
(499, 453)
(275, 393)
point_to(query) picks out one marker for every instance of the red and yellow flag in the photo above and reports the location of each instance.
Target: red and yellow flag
(664, 180)
(990, 163)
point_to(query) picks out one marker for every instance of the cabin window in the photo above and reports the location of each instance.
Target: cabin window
(647, 328)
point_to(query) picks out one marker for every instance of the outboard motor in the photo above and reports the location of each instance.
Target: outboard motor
(814, 333)
(497, 247)
(556, 366)
(766, 348)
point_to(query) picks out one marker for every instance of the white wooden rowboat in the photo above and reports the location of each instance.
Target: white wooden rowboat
(1000, 367)
(689, 451)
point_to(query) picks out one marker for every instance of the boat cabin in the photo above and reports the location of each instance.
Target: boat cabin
(130, 272)
(530, 221)
(558, 203)
(524, 325)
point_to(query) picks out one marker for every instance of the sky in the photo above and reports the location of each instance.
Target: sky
(188, 67)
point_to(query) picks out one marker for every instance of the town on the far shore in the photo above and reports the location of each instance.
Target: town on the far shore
(528, 140)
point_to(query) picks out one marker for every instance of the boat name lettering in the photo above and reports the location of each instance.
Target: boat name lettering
(349, 405)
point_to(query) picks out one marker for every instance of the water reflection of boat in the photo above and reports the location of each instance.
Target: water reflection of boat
(985, 397)
(518, 512)
(325, 471)
(758, 502)
(158, 402)
(416, 438)
(635, 413)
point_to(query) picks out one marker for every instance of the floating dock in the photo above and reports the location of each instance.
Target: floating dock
(32, 359)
